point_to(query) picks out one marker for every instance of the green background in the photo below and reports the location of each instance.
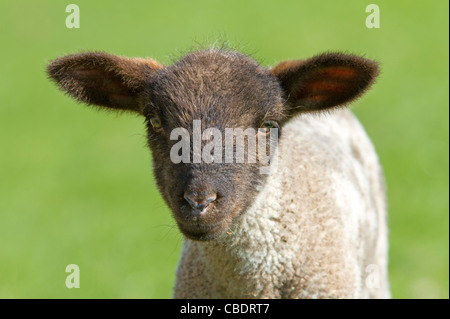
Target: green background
(76, 184)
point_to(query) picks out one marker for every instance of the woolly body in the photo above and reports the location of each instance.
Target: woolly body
(314, 229)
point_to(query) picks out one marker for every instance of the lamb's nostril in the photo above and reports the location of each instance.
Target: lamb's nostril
(199, 200)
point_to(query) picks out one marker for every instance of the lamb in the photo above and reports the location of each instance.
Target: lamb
(314, 226)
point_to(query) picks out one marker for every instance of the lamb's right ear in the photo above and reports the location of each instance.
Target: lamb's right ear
(103, 79)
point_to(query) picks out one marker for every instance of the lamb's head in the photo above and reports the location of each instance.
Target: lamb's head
(213, 119)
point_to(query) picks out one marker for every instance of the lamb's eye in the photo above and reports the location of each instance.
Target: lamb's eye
(267, 125)
(155, 122)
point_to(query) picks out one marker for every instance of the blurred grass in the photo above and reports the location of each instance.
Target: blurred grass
(76, 185)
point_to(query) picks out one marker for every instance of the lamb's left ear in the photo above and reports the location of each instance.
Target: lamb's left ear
(324, 81)
(103, 79)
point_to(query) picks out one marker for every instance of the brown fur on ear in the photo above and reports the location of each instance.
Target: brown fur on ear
(103, 79)
(324, 81)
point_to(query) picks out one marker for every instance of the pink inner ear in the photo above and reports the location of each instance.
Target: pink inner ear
(327, 83)
(336, 72)
(325, 86)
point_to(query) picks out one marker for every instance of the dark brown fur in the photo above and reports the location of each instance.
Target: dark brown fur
(327, 80)
(103, 79)
(223, 89)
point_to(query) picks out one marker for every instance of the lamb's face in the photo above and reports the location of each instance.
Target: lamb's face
(210, 92)
(204, 91)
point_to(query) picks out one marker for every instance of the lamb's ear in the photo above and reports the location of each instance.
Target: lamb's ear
(103, 79)
(324, 81)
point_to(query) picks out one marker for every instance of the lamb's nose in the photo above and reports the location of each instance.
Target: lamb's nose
(199, 200)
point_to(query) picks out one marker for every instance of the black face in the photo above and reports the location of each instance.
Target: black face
(223, 90)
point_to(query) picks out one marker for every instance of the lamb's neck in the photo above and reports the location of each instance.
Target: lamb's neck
(239, 263)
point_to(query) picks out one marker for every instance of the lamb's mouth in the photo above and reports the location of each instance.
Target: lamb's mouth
(203, 232)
